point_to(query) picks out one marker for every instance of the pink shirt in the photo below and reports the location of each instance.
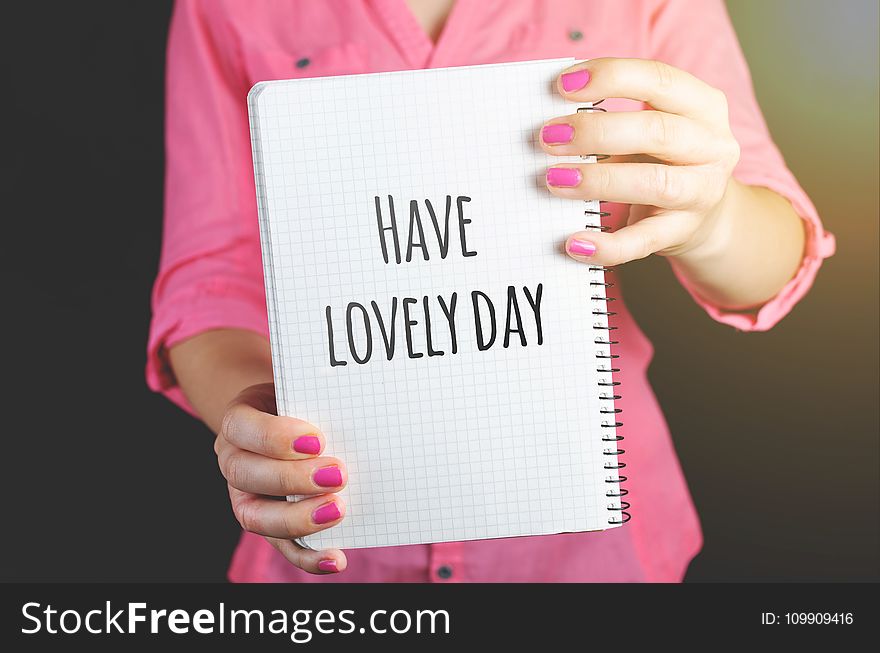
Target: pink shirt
(211, 277)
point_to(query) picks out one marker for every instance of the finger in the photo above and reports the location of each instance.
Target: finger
(328, 561)
(285, 519)
(648, 236)
(655, 184)
(662, 86)
(665, 136)
(251, 472)
(249, 425)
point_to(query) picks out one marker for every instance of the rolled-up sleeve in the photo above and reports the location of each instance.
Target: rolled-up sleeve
(210, 274)
(697, 36)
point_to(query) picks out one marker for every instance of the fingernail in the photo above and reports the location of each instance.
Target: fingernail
(326, 513)
(328, 565)
(581, 247)
(557, 134)
(328, 476)
(575, 81)
(565, 177)
(307, 444)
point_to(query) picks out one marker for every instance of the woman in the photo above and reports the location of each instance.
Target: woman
(696, 179)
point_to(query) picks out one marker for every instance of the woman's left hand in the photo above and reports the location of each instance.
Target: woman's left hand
(673, 164)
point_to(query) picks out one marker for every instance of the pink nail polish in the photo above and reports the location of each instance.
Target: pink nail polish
(326, 513)
(328, 565)
(581, 247)
(307, 444)
(328, 477)
(575, 81)
(564, 177)
(557, 134)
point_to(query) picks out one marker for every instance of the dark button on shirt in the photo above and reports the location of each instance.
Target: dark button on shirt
(444, 572)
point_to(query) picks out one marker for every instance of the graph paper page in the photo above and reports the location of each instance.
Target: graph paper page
(447, 432)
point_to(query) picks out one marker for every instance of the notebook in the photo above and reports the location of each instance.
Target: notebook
(422, 311)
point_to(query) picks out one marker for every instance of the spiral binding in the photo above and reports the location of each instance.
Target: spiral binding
(606, 366)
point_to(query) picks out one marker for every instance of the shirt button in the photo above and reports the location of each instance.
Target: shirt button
(302, 63)
(444, 572)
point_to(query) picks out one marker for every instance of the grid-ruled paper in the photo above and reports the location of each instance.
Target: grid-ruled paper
(477, 444)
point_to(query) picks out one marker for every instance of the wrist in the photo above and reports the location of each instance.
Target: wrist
(714, 238)
(214, 366)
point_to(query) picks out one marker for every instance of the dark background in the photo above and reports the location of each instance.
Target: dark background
(777, 432)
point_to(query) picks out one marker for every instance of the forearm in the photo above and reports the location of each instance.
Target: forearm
(213, 367)
(754, 246)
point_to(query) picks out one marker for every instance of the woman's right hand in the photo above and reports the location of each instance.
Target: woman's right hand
(264, 457)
